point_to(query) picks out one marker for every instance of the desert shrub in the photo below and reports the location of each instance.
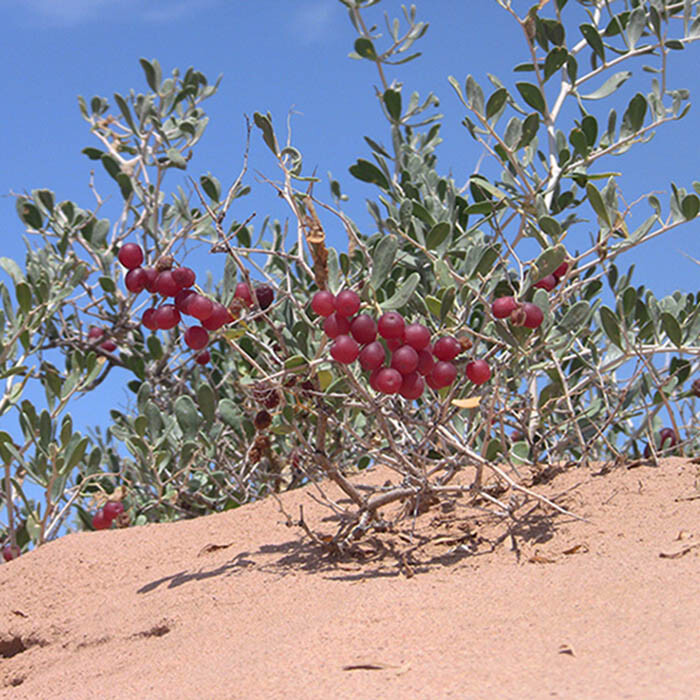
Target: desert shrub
(557, 356)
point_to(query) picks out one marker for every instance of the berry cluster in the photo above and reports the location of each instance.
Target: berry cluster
(400, 357)
(526, 313)
(175, 283)
(103, 518)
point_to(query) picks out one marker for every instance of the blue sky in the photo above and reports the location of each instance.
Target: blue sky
(275, 56)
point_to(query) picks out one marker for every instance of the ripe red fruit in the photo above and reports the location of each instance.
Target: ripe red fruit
(363, 329)
(149, 319)
(391, 325)
(503, 306)
(151, 278)
(166, 285)
(203, 357)
(547, 283)
(667, 434)
(345, 349)
(112, 509)
(196, 337)
(108, 346)
(243, 293)
(447, 348)
(394, 344)
(167, 317)
(336, 325)
(95, 332)
(373, 378)
(220, 316)
(412, 386)
(426, 361)
(130, 255)
(443, 374)
(695, 388)
(372, 356)
(478, 371)
(135, 280)
(200, 307)
(9, 552)
(529, 315)
(405, 359)
(184, 276)
(561, 270)
(181, 300)
(100, 521)
(417, 336)
(388, 380)
(323, 303)
(265, 295)
(347, 302)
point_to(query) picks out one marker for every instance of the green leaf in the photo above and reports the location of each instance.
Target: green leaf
(556, 58)
(211, 186)
(636, 25)
(383, 260)
(690, 206)
(531, 126)
(575, 316)
(29, 213)
(520, 453)
(187, 416)
(672, 329)
(549, 260)
(532, 96)
(12, 269)
(496, 102)
(475, 95)
(447, 303)
(24, 296)
(93, 153)
(365, 49)
(609, 86)
(403, 293)
(590, 34)
(611, 326)
(368, 172)
(550, 226)
(206, 401)
(152, 76)
(392, 102)
(126, 112)
(633, 117)
(437, 235)
(176, 158)
(596, 200)
(264, 123)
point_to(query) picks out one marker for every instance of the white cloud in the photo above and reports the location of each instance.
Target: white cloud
(313, 21)
(73, 12)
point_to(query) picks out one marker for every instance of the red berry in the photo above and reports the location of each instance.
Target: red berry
(130, 255)
(219, 317)
(372, 356)
(100, 521)
(181, 300)
(108, 346)
(166, 285)
(667, 434)
(347, 302)
(547, 283)
(196, 337)
(447, 348)
(695, 388)
(529, 315)
(388, 380)
(417, 336)
(151, 278)
(112, 509)
(405, 359)
(443, 374)
(149, 319)
(373, 378)
(561, 270)
(265, 295)
(412, 386)
(391, 325)
(243, 293)
(9, 552)
(345, 349)
(167, 316)
(203, 357)
(426, 362)
(394, 344)
(95, 332)
(478, 371)
(323, 303)
(363, 329)
(503, 306)
(336, 325)
(200, 307)
(135, 280)
(184, 276)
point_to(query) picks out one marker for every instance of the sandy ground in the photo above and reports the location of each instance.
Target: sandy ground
(238, 605)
